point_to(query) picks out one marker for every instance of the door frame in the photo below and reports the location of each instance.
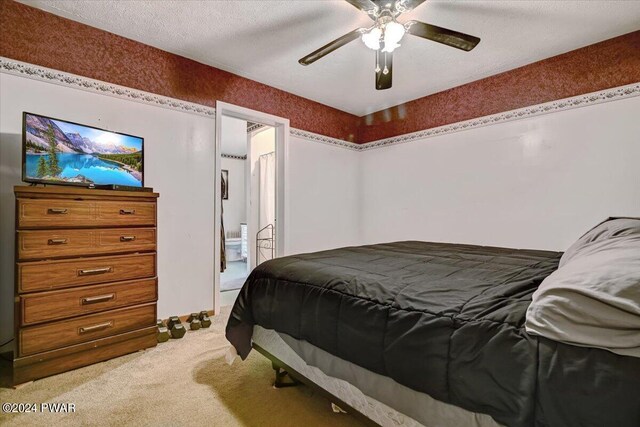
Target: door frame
(282, 131)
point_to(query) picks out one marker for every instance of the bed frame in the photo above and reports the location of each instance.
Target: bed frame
(282, 371)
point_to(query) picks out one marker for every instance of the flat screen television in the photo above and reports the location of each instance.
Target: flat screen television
(56, 151)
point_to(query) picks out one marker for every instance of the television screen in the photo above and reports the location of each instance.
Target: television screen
(60, 152)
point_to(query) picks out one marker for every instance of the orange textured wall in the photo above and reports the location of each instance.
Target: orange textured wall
(34, 36)
(611, 63)
(31, 35)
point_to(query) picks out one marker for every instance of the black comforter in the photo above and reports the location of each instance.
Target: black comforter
(446, 320)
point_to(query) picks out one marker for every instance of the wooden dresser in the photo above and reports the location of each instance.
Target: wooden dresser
(86, 285)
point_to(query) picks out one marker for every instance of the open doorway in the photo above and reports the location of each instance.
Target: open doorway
(234, 256)
(250, 160)
(248, 165)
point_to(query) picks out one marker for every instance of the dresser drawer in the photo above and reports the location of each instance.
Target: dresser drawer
(60, 213)
(54, 305)
(43, 244)
(47, 275)
(125, 213)
(36, 339)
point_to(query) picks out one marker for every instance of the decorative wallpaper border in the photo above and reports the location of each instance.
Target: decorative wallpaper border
(233, 156)
(35, 72)
(254, 126)
(310, 136)
(579, 101)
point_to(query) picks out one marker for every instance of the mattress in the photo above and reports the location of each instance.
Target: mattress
(445, 320)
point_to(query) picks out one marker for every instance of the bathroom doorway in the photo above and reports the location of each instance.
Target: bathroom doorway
(234, 263)
(248, 199)
(250, 203)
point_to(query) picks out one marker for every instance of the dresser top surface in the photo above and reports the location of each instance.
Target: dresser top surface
(78, 192)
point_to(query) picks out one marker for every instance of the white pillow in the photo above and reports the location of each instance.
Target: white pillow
(593, 298)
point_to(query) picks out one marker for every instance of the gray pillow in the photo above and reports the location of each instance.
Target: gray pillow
(607, 229)
(593, 298)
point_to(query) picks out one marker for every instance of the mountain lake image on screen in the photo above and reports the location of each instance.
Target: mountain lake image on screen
(62, 152)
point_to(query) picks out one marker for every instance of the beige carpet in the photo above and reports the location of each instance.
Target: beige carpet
(179, 383)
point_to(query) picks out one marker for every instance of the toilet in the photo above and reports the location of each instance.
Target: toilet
(236, 244)
(233, 248)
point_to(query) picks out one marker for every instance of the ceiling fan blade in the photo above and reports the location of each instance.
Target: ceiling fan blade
(330, 47)
(367, 6)
(442, 35)
(384, 61)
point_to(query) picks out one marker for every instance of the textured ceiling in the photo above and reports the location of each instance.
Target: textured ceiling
(263, 40)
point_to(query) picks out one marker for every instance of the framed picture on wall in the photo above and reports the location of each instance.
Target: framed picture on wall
(225, 184)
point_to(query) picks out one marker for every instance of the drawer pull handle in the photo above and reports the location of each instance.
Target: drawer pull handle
(57, 241)
(100, 298)
(127, 211)
(98, 327)
(57, 211)
(127, 238)
(92, 271)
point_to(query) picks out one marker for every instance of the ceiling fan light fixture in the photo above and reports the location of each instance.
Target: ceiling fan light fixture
(386, 32)
(371, 38)
(390, 47)
(393, 33)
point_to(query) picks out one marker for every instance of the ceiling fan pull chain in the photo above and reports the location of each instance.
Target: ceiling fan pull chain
(386, 69)
(377, 70)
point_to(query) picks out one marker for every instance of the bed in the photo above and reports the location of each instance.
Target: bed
(417, 333)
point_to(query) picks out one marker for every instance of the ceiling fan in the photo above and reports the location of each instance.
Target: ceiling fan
(385, 34)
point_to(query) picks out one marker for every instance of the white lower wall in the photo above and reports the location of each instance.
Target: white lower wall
(539, 182)
(179, 164)
(179, 150)
(324, 197)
